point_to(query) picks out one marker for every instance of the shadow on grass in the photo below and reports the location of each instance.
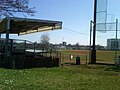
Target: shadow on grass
(104, 66)
(113, 68)
(107, 64)
(109, 67)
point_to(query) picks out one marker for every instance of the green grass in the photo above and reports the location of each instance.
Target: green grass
(91, 77)
(83, 77)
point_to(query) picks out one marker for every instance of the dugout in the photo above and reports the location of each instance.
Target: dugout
(20, 26)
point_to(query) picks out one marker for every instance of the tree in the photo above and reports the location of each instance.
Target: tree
(9, 7)
(77, 44)
(44, 39)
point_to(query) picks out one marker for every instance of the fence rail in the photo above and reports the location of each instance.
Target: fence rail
(71, 58)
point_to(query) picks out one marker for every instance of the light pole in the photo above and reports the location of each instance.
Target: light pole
(93, 52)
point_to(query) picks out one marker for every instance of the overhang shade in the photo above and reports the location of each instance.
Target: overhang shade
(23, 26)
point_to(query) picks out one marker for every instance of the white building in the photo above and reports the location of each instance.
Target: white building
(112, 44)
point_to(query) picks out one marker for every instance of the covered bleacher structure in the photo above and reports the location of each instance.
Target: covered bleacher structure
(15, 53)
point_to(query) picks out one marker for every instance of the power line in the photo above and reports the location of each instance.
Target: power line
(68, 32)
(74, 31)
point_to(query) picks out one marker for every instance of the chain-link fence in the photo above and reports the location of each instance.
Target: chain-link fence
(69, 56)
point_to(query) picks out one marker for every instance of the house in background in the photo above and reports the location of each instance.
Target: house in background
(112, 44)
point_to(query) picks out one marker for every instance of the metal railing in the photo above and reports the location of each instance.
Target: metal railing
(16, 44)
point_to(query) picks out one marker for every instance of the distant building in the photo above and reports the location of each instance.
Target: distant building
(63, 47)
(112, 44)
(64, 43)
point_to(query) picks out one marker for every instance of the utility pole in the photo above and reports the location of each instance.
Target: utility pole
(93, 53)
(91, 28)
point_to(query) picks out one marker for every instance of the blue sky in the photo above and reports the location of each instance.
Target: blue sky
(75, 15)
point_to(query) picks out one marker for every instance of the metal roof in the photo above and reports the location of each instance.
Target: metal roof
(23, 26)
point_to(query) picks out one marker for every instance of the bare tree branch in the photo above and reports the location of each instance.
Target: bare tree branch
(9, 7)
(44, 39)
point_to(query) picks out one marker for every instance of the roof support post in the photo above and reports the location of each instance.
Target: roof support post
(7, 52)
(0, 23)
(0, 34)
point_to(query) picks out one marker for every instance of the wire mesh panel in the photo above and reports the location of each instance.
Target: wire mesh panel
(29, 45)
(18, 44)
(103, 27)
(23, 45)
(69, 57)
(101, 15)
(105, 52)
(102, 19)
(3, 44)
(105, 56)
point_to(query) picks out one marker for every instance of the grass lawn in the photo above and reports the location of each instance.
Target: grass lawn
(83, 77)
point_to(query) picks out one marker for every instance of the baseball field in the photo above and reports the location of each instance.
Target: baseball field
(102, 56)
(66, 77)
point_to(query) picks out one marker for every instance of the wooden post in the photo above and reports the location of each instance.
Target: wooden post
(34, 48)
(60, 57)
(86, 59)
